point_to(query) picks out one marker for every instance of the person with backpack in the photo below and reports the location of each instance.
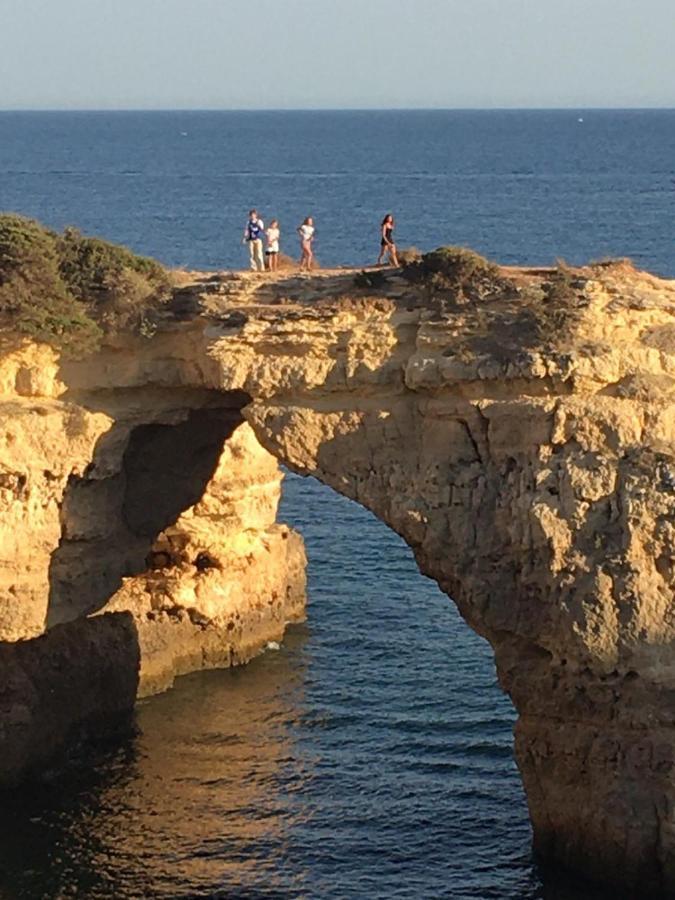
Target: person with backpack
(253, 236)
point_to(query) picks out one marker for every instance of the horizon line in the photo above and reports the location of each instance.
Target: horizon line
(330, 109)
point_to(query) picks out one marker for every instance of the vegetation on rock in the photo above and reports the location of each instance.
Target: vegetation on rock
(68, 289)
(562, 304)
(464, 274)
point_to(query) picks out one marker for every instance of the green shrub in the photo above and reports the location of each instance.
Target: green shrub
(458, 271)
(122, 291)
(560, 288)
(562, 303)
(33, 298)
(24, 244)
(68, 289)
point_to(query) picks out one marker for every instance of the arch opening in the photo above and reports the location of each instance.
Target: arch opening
(109, 524)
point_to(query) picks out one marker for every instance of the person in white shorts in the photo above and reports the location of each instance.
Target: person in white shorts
(253, 236)
(273, 234)
(306, 232)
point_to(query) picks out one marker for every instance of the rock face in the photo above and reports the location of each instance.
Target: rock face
(520, 439)
(157, 501)
(224, 578)
(76, 681)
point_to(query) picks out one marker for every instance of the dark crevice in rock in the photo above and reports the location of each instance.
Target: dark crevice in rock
(109, 525)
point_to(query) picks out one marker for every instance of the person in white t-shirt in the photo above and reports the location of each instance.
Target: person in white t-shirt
(306, 232)
(273, 234)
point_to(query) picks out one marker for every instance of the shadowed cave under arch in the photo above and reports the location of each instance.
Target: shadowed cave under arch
(110, 524)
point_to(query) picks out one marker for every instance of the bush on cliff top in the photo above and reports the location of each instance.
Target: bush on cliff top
(458, 271)
(34, 299)
(562, 304)
(68, 289)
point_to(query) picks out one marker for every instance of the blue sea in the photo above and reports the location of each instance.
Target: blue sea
(370, 756)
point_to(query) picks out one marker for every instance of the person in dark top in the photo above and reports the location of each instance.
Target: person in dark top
(387, 244)
(253, 236)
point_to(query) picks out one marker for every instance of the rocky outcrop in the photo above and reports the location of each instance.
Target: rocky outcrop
(156, 501)
(518, 436)
(74, 682)
(224, 579)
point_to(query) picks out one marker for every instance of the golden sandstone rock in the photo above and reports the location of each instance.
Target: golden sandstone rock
(519, 438)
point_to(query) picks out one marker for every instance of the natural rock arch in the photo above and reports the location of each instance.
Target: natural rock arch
(529, 467)
(535, 485)
(490, 529)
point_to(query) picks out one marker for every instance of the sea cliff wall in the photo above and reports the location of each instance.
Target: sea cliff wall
(517, 431)
(151, 499)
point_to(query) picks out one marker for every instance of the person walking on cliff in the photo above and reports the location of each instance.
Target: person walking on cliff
(253, 236)
(387, 244)
(273, 234)
(306, 232)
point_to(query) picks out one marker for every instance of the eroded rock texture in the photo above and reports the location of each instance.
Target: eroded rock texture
(520, 439)
(156, 500)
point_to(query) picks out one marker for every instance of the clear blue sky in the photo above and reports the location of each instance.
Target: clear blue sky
(91, 54)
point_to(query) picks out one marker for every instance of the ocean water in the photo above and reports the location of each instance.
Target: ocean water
(370, 756)
(522, 187)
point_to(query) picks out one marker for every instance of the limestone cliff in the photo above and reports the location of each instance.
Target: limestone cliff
(157, 501)
(517, 431)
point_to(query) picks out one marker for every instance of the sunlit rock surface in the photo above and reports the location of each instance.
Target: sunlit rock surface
(519, 437)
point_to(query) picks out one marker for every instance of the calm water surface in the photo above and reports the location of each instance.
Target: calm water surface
(524, 187)
(370, 757)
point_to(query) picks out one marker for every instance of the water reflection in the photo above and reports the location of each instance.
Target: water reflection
(195, 805)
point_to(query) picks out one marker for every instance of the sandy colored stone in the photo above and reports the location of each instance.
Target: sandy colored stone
(527, 460)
